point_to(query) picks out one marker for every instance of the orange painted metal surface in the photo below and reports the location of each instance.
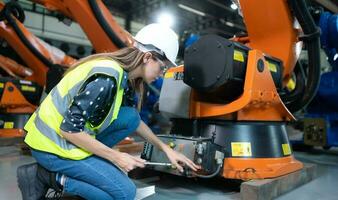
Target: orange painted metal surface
(12, 133)
(12, 100)
(259, 101)
(13, 68)
(259, 168)
(272, 29)
(243, 40)
(176, 69)
(39, 69)
(80, 11)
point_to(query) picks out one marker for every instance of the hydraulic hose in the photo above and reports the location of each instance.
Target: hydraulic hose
(311, 40)
(55, 71)
(6, 14)
(105, 26)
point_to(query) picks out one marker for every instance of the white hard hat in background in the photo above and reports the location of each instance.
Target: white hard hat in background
(161, 37)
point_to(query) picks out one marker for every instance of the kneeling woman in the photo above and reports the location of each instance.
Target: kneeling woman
(73, 130)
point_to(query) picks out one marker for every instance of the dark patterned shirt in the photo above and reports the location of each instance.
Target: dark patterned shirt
(91, 104)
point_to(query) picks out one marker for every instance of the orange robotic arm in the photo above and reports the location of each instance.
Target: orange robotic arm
(96, 21)
(13, 68)
(272, 32)
(31, 49)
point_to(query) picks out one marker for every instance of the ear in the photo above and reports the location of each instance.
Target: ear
(146, 57)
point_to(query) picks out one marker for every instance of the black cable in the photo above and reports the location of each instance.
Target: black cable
(311, 40)
(298, 91)
(17, 12)
(211, 175)
(55, 71)
(105, 26)
(6, 14)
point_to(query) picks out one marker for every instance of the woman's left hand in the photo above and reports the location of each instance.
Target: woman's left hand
(178, 160)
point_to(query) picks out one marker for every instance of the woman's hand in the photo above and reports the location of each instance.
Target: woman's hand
(178, 160)
(123, 161)
(127, 162)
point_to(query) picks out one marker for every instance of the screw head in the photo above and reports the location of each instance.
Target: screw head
(10, 88)
(260, 65)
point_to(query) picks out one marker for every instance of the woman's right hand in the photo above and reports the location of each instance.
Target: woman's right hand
(127, 162)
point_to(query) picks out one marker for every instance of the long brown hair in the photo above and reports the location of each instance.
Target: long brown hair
(129, 58)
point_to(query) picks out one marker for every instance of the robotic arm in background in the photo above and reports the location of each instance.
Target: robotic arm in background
(95, 20)
(20, 97)
(37, 55)
(101, 29)
(14, 69)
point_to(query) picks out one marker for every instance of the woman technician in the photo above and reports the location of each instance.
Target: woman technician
(73, 130)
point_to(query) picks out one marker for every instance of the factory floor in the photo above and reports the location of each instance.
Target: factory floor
(169, 187)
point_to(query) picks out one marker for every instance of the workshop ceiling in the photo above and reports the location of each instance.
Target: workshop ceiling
(192, 16)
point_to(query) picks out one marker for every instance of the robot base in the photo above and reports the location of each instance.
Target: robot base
(249, 150)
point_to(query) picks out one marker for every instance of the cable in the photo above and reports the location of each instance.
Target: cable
(6, 14)
(311, 40)
(298, 91)
(105, 26)
(211, 175)
(55, 71)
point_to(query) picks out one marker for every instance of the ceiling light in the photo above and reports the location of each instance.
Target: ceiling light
(230, 24)
(166, 19)
(187, 8)
(335, 57)
(234, 6)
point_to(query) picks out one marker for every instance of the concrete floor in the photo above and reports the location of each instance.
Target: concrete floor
(172, 187)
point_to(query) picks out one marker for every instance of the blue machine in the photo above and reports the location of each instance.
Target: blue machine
(147, 113)
(328, 24)
(321, 119)
(191, 39)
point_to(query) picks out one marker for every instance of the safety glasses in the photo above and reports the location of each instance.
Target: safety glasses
(163, 66)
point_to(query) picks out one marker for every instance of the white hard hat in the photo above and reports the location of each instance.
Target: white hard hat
(159, 38)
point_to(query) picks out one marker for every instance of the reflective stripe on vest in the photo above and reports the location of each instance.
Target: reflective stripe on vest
(44, 125)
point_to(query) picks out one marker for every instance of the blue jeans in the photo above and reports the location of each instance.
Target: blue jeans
(94, 177)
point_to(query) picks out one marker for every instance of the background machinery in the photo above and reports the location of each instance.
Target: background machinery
(21, 87)
(320, 119)
(48, 64)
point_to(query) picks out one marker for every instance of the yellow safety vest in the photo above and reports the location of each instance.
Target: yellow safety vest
(43, 127)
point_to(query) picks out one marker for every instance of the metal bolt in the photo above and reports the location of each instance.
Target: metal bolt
(260, 65)
(200, 149)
